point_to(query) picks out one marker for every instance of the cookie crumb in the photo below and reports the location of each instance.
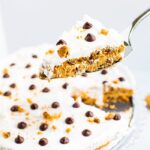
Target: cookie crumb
(104, 32)
(6, 135)
(147, 100)
(63, 51)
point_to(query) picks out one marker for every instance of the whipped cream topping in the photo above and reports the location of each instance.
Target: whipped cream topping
(104, 37)
(83, 39)
(20, 86)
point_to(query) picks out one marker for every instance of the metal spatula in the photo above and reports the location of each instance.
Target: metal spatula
(128, 32)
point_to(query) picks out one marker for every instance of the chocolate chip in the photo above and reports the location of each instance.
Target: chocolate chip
(13, 85)
(43, 142)
(89, 114)
(28, 66)
(90, 37)
(45, 90)
(103, 72)
(14, 108)
(61, 42)
(6, 75)
(12, 64)
(87, 25)
(7, 93)
(125, 43)
(32, 87)
(104, 82)
(19, 139)
(34, 56)
(65, 85)
(42, 75)
(86, 132)
(64, 140)
(43, 126)
(55, 105)
(22, 125)
(76, 105)
(33, 76)
(69, 120)
(117, 117)
(84, 74)
(34, 106)
(121, 79)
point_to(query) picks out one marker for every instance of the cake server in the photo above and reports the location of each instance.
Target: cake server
(128, 32)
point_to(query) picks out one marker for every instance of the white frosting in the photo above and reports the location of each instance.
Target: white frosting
(104, 131)
(79, 47)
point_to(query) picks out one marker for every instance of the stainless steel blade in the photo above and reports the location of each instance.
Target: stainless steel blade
(128, 32)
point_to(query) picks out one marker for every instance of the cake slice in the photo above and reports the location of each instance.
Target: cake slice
(89, 46)
(68, 113)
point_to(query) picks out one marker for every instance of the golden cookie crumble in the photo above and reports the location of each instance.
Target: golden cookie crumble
(99, 59)
(63, 51)
(147, 100)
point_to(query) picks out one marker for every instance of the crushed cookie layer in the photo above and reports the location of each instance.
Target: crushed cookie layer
(114, 95)
(99, 59)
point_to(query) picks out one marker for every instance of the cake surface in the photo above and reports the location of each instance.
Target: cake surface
(66, 113)
(89, 46)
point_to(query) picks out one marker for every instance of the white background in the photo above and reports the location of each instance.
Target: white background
(33, 22)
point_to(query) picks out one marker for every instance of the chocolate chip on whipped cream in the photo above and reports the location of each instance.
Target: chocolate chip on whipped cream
(64, 140)
(103, 72)
(43, 126)
(104, 82)
(90, 37)
(43, 141)
(65, 85)
(61, 42)
(12, 64)
(32, 87)
(19, 139)
(34, 106)
(45, 90)
(14, 108)
(7, 93)
(86, 132)
(87, 25)
(121, 79)
(117, 117)
(76, 105)
(34, 56)
(69, 120)
(89, 114)
(6, 75)
(22, 125)
(33, 76)
(55, 105)
(28, 66)
(13, 85)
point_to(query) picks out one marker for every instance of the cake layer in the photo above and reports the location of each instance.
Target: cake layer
(64, 113)
(88, 46)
